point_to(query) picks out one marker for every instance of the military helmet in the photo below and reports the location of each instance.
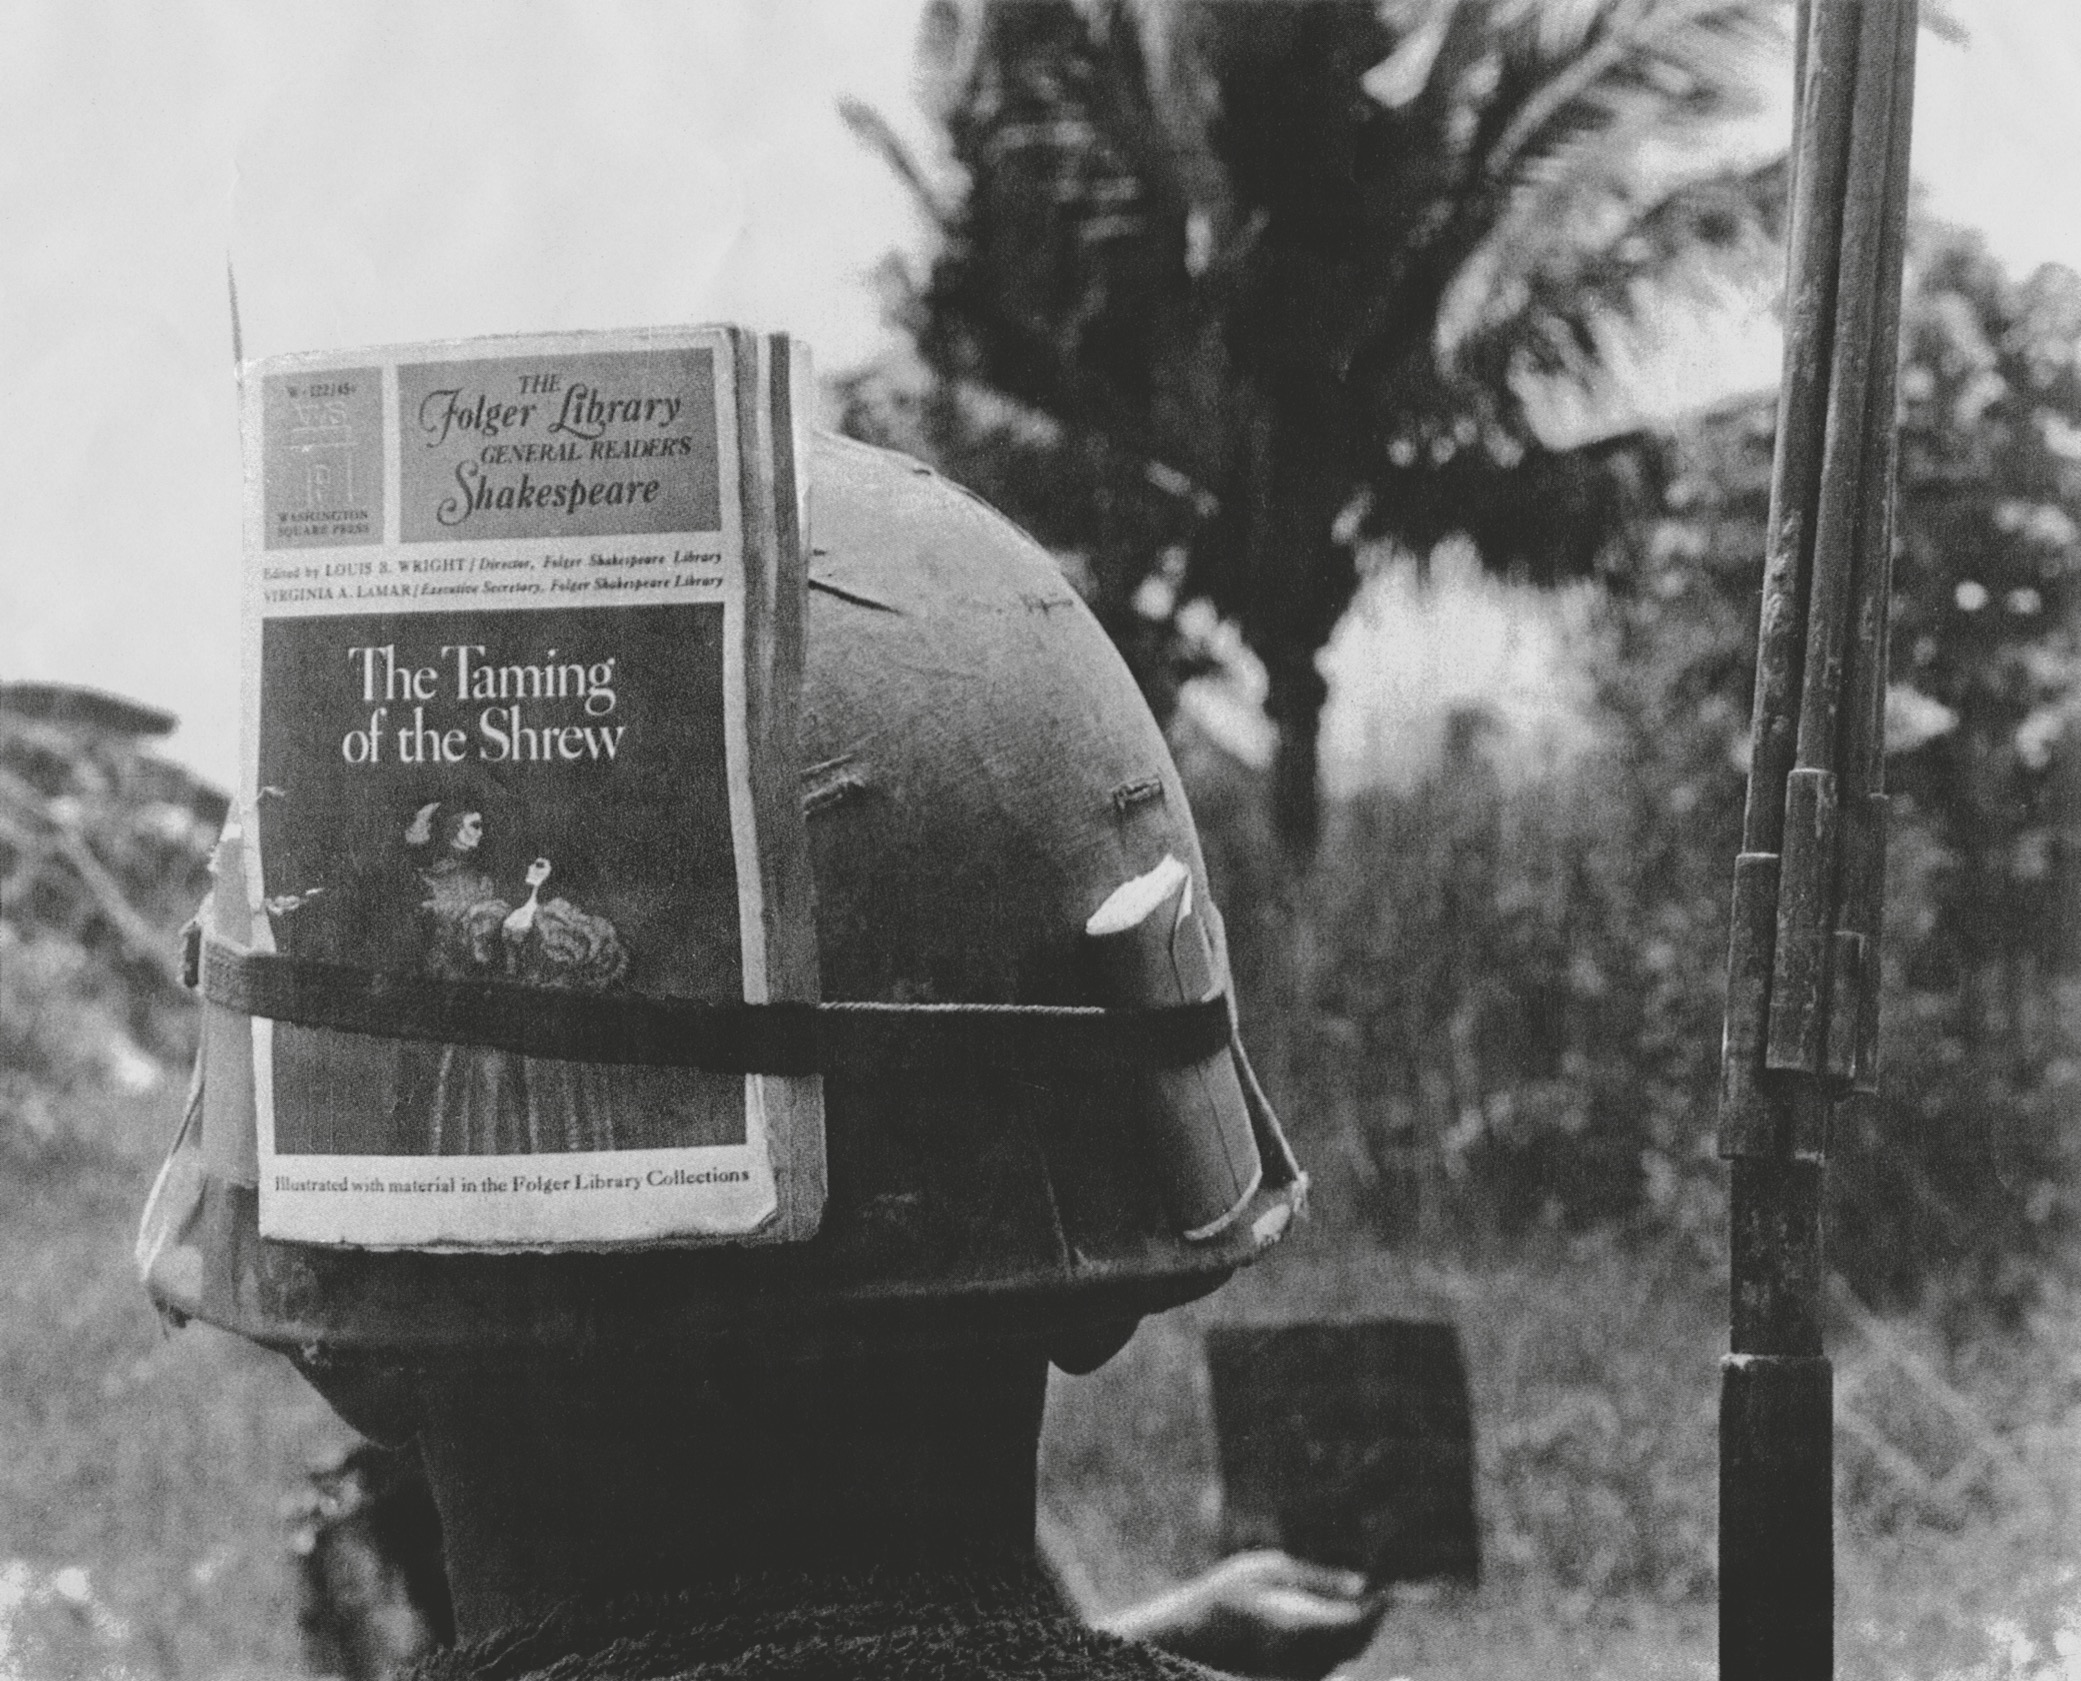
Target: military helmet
(979, 776)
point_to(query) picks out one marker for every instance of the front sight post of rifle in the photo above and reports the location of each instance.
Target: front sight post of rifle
(1801, 1033)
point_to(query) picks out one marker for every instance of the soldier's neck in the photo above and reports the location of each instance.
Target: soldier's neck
(600, 1485)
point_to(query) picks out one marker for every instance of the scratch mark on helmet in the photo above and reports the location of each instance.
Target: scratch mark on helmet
(859, 598)
(828, 783)
(1140, 791)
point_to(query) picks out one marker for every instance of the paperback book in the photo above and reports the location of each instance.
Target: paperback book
(522, 649)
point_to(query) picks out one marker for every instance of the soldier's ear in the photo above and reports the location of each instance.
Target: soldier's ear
(1089, 1347)
(380, 1401)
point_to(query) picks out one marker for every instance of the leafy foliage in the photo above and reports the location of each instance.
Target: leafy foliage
(103, 855)
(139, 1475)
(1524, 980)
(1277, 277)
(1969, 1164)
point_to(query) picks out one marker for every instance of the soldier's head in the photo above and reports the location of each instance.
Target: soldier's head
(980, 777)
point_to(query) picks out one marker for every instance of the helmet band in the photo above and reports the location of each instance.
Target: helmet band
(729, 1038)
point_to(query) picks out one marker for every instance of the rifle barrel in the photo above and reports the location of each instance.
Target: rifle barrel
(1809, 883)
(1853, 1013)
(1819, 170)
(1853, 415)
(1805, 942)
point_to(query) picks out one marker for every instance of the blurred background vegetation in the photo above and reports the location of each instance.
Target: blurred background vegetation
(1276, 323)
(1194, 256)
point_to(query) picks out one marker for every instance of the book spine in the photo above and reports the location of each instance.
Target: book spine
(770, 371)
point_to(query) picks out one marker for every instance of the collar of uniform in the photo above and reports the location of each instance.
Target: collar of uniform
(967, 1625)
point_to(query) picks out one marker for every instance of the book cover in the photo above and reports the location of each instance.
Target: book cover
(522, 644)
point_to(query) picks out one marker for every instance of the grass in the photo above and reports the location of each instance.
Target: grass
(1593, 1375)
(1595, 1382)
(143, 1475)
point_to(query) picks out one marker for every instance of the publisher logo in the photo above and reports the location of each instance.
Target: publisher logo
(323, 459)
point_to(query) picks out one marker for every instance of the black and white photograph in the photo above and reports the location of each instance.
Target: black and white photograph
(1126, 839)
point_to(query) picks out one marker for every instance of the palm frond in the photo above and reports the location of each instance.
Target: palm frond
(1605, 198)
(872, 130)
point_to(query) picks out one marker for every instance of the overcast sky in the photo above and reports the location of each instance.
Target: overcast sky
(396, 172)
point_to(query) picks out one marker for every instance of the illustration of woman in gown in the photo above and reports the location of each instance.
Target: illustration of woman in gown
(474, 1099)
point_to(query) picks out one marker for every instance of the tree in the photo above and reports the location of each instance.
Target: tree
(1260, 281)
(1521, 1018)
(1971, 1159)
(1962, 1172)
